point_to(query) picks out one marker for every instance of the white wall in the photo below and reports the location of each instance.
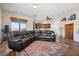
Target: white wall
(0, 25)
(30, 24)
(76, 31)
(75, 22)
(55, 26)
(6, 19)
(53, 23)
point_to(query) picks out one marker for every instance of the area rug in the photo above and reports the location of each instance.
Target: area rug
(43, 48)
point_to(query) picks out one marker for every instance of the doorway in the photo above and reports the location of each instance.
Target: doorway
(69, 32)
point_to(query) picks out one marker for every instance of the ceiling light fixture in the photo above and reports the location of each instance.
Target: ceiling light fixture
(35, 5)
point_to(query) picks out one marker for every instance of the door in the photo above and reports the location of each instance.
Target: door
(69, 31)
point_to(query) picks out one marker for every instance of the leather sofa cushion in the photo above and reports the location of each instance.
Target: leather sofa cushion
(42, 36)
(15, 40)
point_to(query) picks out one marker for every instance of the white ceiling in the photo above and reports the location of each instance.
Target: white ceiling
(56, 10)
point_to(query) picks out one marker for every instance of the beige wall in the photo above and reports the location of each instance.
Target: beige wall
(6, 19)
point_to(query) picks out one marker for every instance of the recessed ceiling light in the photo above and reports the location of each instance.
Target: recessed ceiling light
(35, 5)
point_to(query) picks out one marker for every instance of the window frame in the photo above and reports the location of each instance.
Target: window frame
(19, 26)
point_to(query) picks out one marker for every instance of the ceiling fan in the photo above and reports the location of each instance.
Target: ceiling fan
(48, 18)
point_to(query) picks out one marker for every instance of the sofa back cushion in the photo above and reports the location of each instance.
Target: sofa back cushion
(43, 32)
(37, 32)
(51, 33)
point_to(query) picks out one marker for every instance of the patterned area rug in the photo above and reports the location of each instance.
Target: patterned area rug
(43, 48)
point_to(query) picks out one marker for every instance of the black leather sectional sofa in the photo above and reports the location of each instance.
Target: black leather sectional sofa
(18, 41)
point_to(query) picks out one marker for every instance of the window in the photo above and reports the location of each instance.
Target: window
(18, 26)
(22, 26)
(14, 26)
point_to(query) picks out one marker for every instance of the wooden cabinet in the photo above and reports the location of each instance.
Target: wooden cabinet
(42, 26)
